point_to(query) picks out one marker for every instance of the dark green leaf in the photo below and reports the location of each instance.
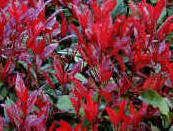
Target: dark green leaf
(153, 98)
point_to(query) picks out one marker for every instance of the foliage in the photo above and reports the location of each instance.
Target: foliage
(86, 65)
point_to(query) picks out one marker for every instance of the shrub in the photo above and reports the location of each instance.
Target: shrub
(85, 65)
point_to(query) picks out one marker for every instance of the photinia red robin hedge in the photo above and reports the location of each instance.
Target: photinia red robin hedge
(86, 65)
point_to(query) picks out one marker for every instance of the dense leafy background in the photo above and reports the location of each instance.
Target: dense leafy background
(86, 65)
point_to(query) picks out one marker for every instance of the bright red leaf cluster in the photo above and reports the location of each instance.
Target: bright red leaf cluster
(69, 65)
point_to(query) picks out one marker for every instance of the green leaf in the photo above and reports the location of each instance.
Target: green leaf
(154, 128)
(3, 92)
(169, 102)
(170, 11)
(165, 121)
(67, 13)
(120, 8)
(65, 104)
(81, 111)
(158, 68)
(171, 129)
(102, 106)
(8, 102)
(65, 51)
(162, 16)
(24, 64)
(47, 68)
(77, 58)
(6, 116)
(153, 98)
(170, 39)
(153, 1)
(80, 77)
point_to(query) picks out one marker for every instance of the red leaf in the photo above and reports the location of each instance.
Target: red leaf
(132, 110)
(48, 50)
(139, 115)
(107, 95)
(112, 115)
(165, 28)
(121, 110)
(51, 128)
(76, 68)
(39, 49)
(3, 3)
(6, 68)
(158, 9)
(116, 118)
(104, 75)
(79, 127)
(1, 124)
(20, 87)
(92, 111)
(63, 27)
(80, 38)
(64, 126)
(76, 104)
(126, 123)
(13, 11)
(125, 87)
(107, 7)
(32, 99)
(170, 69)
(96, 11)
(49, 81)
(34, 121)
(80, 88)
(59, 73)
